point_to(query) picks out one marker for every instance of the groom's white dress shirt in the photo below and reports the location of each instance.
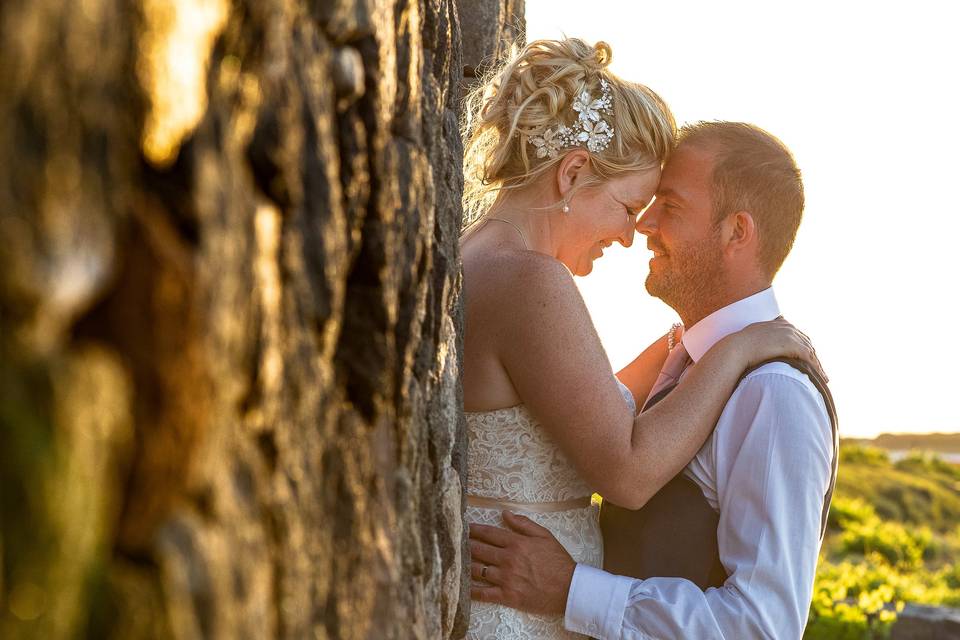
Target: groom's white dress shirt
(766, 469)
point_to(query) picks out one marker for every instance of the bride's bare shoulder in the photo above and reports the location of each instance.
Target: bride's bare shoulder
(525, 279)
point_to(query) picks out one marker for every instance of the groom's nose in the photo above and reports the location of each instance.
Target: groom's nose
(647, 223)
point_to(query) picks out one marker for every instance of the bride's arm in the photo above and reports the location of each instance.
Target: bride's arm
(552, 354)
(667, 436)
(640, 375)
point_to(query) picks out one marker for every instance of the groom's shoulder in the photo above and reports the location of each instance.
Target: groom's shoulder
(779, 368)
(782, 377)
(783, 385)
(778, 403)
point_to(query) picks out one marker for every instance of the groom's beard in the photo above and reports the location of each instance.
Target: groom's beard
(690, 278)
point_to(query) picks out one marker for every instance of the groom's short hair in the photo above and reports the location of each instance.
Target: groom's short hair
(753, 171)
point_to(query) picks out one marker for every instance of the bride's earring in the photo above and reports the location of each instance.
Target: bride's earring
(566, 207)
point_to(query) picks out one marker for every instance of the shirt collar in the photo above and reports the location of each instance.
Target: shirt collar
(759, 307)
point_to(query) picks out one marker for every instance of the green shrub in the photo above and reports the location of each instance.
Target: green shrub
(918, 496)
(851, 601)
(893, 538)
(930, 463)
(845, 511)
(897, 544)
(861, 454)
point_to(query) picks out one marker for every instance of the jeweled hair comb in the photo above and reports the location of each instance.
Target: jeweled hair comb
(591, 129)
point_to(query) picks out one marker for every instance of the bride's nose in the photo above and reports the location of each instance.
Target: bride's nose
(626, 238)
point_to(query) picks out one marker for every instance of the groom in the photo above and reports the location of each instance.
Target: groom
(728, 548)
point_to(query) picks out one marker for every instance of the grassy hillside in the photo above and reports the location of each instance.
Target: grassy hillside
(936, 442)
(894, 537)
(920, 489)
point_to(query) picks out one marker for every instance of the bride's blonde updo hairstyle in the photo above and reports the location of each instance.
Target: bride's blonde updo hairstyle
(534, 91)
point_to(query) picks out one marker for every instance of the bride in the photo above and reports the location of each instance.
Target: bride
(561, 156)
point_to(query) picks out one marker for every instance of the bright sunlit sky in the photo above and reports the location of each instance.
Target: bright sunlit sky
(866, 96)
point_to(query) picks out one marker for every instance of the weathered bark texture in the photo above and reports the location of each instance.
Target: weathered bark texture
(230, 318)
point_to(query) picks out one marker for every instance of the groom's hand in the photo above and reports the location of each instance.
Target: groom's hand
(525, 566)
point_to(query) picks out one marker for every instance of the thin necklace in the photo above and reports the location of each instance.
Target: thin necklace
(522, 238)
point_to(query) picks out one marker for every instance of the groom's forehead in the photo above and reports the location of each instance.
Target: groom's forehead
(684, 174)
(690, 156)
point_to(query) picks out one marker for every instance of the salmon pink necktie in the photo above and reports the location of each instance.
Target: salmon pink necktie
(677, 360)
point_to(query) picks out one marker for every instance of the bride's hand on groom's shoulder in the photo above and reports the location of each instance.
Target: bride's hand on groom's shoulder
(523, 567)
(764, 341)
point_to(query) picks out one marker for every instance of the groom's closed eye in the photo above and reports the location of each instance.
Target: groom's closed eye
(669, 195)
(640, 208)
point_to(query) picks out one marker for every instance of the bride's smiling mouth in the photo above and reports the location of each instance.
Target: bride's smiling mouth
(603, 244)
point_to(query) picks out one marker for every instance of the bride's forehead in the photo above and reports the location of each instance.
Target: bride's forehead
(635, 186)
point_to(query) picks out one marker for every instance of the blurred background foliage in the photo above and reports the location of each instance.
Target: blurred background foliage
(893, 538)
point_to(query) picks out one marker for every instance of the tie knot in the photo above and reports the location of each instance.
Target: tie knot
(676, 361)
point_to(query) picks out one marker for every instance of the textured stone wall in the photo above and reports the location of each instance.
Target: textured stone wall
(491, 27)
(229, 318)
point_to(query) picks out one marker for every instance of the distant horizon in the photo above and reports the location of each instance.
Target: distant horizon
(905, 434)
(951, 436)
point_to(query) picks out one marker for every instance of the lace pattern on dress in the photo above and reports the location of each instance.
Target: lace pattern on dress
(511, 457)
(578, 530)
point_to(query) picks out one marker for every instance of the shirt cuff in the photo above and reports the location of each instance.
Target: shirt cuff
(596, 602)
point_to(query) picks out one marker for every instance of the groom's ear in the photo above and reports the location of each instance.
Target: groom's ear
(573, 168)
(739, 233)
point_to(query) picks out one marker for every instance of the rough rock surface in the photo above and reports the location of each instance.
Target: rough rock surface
(494, 26)
(230, 319)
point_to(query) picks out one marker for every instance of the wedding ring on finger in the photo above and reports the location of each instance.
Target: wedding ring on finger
(483, 572)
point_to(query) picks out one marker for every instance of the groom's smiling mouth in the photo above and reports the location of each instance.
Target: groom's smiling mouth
(658, 252)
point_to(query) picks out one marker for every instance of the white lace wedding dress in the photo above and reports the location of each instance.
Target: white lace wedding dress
(511, 459)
